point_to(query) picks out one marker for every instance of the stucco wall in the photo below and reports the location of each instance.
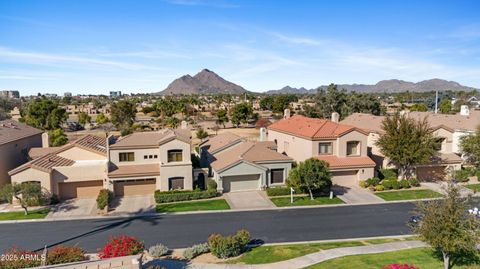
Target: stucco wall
(175, 144)
(242, 168)
(181, 170)
(34, 175)
(448, 142)
(78, 154)
(299, 149)
(286, 166)
(139, 156)
(14, 154)
(352, 136)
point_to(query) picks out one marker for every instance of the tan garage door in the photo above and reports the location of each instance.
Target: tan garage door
(345, 178)
(85, 189)
(241, 183)
(433, 173)
(134, 187)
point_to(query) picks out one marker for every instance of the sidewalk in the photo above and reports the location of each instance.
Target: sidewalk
(301, 262)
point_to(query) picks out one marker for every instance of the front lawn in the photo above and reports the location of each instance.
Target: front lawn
(474, 187)
(269, 254)
(420, 257)
(20, 215)
(305, 200)
(407, 195)
(218, 204)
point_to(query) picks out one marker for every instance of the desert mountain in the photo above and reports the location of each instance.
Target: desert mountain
(205, 82)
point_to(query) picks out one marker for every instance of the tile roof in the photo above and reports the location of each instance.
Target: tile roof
(134, 170)
(311, 128)
(45, 163)
(248, 151)
(39, 152)
(11, 130)
(346, 162)
(220, 141)
(149, 139)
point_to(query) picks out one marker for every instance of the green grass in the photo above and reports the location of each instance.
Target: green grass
(421, 257)
(218, 204)
(474, 187)
(35, 214)
(305, 200)
(407, 195)
(269, 254)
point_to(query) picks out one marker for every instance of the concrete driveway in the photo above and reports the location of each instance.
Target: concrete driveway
(355, 195)
(131, 205)
(74, 208)
(248, 200)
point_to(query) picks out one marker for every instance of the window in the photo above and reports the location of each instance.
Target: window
(175, 155)
(150, 156)
(145, 157)
(438, 146)
(276, 176)
(353, 148)
(155, 156)
(175, 183)
(325, 148)
(126, 156)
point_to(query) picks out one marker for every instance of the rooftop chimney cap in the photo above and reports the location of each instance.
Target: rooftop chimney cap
(286, 113)
(335, 117)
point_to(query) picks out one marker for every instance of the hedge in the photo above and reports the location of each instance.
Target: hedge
(177, 196)
(278, 191)
(104, 198)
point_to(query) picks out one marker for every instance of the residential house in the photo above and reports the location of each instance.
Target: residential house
(16, 139)
(343, 147)
(240, 165)
(449, 128)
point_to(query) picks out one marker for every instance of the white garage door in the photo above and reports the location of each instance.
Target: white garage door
(241, 183)
(345, 178)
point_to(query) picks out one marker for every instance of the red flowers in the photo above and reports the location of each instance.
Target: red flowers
(400, 266)
(121, 246)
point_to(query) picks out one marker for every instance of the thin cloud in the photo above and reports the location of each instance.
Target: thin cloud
(297, 40)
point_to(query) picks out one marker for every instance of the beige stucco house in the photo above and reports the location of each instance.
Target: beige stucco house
(240, 165)
(343, 147)
(137, 164)
(16, 139)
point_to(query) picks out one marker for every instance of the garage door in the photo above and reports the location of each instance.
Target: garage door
(433, 173)
(134, 187)
(86, 189)
(241, 183)
(345, 178)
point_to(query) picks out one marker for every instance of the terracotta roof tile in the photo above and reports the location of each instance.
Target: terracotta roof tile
(91, 142)
(45, 163)
(346, 162)
(149, 139)
(220, 141)
(11, 130)
(39, 152)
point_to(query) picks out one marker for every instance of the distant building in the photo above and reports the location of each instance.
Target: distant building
(114, 94)
(67, 94)
(9, 94)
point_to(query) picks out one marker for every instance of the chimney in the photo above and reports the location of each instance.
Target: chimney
(335, 117)
(286, 113)
(263, 134)
(184, 125)
(45, 140)
(464, 110)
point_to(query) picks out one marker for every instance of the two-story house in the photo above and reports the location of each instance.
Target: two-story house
(240, 165)
(343, 147)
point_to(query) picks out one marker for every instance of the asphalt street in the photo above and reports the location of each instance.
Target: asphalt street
(176, 231)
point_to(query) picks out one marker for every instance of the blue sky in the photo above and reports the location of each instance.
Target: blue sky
(142, 45)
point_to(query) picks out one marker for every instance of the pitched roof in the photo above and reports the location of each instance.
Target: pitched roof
(11, 130)
(336, 162)
(311, 128)
(149, 139)
(248, 151)
(92, 143)
(39, 152)
(45, 163)
(134, 170)
(220, 141)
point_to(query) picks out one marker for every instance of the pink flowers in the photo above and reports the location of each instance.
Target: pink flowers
(121, 246)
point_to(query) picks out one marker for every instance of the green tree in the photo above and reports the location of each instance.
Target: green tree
(172, 122)
(6, 105)
(419, 107)
(266, 102)
(57, 137)
(123, 115)
(310, 175)
(44, 114)
(331, 100)
(445, 106)
(448, 228)
(201, 134)
(84, 118)
(166, 107)
(407, 142)
(282, 102)
(27, 193)
(470, 147)
(222, 117)
(101, 119)
(241, 113)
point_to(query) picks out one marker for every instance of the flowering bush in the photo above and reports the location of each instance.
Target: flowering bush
(64, 254)
(121, 246)
(228, 246)
(400, 266)
(17, 258)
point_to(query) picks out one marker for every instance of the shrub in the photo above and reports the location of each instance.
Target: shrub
(387, 184)
(404, 184)
(414, 182)
(228, 246)
(195, 250)
(399, 266)
(374, 181)
(54, 199)
(121, 246)
(387, 174)
(10, 259)
(156, 267)
(211, 184)
(462, 175)
(379, 188)
(395, 184)
(104, 198)
(363, 184)
(64, 254)
(158, 251)
(175, 196)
